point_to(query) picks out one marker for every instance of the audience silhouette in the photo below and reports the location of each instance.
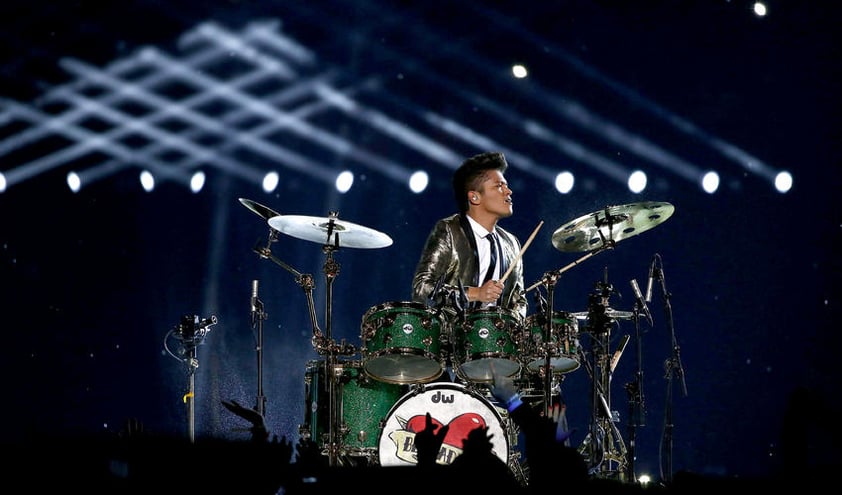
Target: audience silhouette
(135, 461)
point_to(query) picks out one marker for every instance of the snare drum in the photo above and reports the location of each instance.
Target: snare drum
(487, 336)
(402, 343)
(450, 404)
(563, 347)
(361, 410)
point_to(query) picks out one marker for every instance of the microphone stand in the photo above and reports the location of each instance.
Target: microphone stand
(673, 367)
(257, 318)
(191, 332)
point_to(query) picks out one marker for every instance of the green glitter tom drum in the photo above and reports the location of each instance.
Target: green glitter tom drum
(402, 343)
(562, 345)
(487, 336)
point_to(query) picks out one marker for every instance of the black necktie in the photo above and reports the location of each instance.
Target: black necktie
(493, 263)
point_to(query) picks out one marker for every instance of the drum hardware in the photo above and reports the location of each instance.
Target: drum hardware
(674, 369)
(258, 316)
(191, 332)
(543, 361)
(593, 233)
(603, 447)
(332, 233)
(634, 389)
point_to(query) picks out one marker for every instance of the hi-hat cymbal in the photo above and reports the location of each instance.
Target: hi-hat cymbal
(609, 312)
(609, 225)
(316, 229)
(263, 211)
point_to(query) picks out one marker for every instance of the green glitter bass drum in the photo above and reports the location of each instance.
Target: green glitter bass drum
(361, 410)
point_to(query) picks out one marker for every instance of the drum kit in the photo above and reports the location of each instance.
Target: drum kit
(364, 405)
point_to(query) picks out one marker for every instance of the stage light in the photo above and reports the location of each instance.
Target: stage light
(74, 182)
(418, 181)
(344, 181)
(783, 181)
(710, 182)
(637, 181)
(564, 182)
(197, 181)
(147, 181)
(270, 181)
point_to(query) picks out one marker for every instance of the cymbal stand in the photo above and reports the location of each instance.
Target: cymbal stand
(550, 277)
(546, 371)
(322, 342)
(604, 446)
(549, 280)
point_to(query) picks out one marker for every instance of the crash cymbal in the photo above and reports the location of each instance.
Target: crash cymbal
(316, 229)
(263, 211)
(609, 312)
(610, 225)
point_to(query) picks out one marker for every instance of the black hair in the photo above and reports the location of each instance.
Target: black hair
(472, 172)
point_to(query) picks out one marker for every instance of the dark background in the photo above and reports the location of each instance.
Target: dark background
(93, 282)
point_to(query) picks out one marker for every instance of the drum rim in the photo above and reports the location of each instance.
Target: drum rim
(555, 313)
(419, 308)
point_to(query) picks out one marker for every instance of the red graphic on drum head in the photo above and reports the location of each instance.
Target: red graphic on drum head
(459, 427)
(452, 404)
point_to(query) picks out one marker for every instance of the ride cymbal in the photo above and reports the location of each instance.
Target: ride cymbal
(610, 225)
(330, 231)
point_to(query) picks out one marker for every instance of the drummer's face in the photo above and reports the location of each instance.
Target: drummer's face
(496, 197)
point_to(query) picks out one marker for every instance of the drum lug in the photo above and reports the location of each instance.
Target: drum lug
(368, 331)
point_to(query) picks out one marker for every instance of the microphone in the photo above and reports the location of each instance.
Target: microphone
(650, 282)
(618, 353)
(206, 323)
(254, 296)
(640, 300)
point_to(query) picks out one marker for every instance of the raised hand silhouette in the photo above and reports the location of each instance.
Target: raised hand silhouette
(428, 442)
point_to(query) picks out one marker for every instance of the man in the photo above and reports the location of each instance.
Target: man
(459, 258)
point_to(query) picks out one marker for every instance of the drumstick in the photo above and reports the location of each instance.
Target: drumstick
(520, 254)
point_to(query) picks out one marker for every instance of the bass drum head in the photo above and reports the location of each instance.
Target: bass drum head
(448, 404)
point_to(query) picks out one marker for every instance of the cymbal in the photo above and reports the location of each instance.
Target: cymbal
(263, 211)
(611, 224)
(609, 312)
(316, 229)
